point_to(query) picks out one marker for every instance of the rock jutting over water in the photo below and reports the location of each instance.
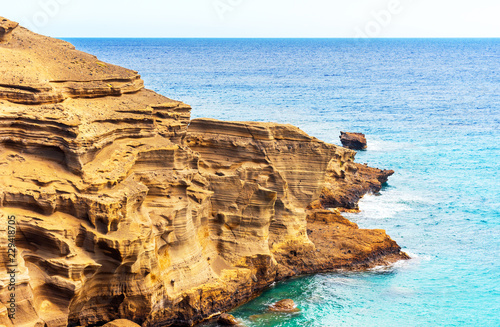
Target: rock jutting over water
(127, 209)
(354, 141)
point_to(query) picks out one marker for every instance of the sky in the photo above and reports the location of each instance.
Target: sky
(257, 18)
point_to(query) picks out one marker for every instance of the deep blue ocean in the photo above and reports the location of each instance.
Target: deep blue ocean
(430, 109)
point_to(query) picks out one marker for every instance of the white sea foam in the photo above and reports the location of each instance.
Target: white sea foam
(389, 204)
(378, 145)
(381, 207)
(400, 291)
(401, 265)
(345, 281)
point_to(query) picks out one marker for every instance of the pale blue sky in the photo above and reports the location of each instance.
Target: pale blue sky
(257, 18)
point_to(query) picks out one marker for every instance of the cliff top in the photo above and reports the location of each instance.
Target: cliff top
(55, 96)
(36, 69)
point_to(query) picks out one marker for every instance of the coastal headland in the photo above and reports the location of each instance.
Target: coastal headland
(126, 208)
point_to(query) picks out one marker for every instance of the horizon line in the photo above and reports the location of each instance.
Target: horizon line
(273, 37)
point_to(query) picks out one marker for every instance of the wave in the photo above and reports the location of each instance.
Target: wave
(402, 265)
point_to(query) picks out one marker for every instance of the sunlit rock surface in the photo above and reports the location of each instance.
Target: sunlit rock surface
(126, 209)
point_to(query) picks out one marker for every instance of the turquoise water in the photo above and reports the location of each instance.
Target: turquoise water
(430, 110)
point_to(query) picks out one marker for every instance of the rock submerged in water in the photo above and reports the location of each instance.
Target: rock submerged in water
(286, 305)
(354, 141)
(121, 323)
(226, 319)
(127, 209)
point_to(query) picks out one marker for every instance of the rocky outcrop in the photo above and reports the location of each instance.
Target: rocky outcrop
(121, 323)
(278, 169)
(227, 320)
(354, 141)
(48, 71)
(344, 187)
(6, 27)
(127, 209)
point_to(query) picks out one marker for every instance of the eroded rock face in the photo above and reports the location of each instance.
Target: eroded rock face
(6, 27)
(345, 187)
(125, 212)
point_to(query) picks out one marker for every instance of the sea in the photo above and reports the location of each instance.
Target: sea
(430, 109)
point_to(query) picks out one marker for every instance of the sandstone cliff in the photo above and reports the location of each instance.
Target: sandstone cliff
(125, 208)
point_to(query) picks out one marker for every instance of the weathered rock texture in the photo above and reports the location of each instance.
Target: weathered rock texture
(346, 183)
(227, 320)
(286, 305)
(126, 209)
(121, 323)
(6, 27)
(355, 141)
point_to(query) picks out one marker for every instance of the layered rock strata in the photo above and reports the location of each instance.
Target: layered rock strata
(347, 182)
(6, 27)
(127, 209)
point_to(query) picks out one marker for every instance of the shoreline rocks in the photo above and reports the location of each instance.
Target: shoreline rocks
(121, 323)
(226, 319)
(286, 305)
(126, 208)
(353, 141)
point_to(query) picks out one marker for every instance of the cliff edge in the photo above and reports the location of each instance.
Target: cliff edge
(124, 208)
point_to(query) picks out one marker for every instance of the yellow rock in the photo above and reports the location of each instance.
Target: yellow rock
(127, 209)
